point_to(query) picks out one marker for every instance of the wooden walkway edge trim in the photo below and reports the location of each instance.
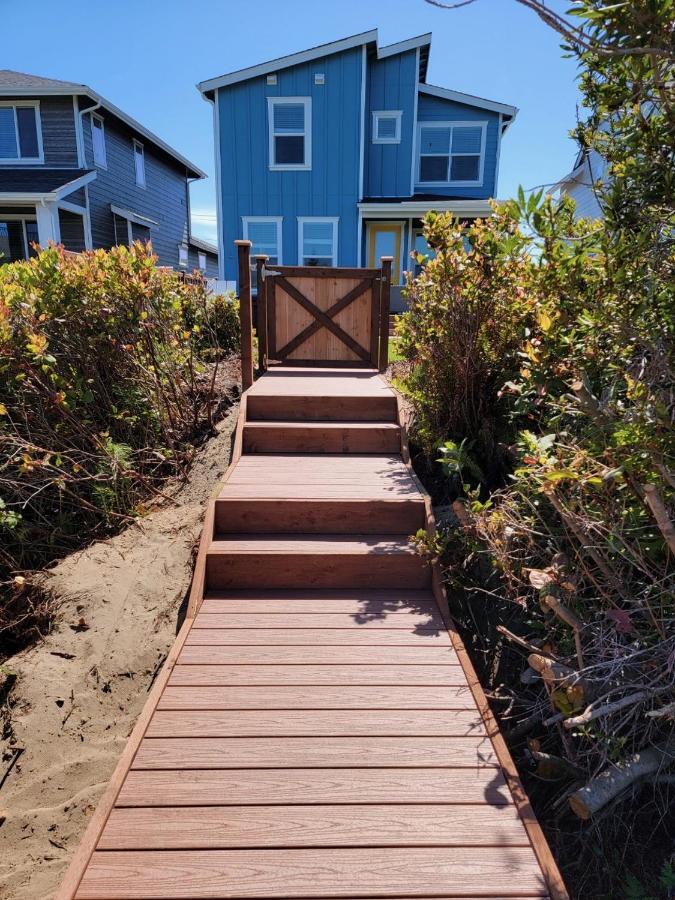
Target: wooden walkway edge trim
(534, 830)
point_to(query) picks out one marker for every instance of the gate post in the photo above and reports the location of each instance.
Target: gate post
(261, 318)
(245, 316)
(385, 299)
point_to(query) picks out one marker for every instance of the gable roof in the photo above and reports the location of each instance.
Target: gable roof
(364, 38)
(21, 83)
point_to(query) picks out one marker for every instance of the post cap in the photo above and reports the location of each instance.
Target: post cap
(243, 243)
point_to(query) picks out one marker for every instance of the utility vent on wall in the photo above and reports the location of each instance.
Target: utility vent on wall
(271, 79)
(319, 78)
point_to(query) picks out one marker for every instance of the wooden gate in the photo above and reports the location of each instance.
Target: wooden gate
(314, 316)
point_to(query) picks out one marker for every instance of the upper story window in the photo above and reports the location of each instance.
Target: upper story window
(451, 153)
(387, 126)
(317, 242)
(201, 260)
(20, 133)
(139, 163)
(290, 132)
(98, 141)
(182, 255)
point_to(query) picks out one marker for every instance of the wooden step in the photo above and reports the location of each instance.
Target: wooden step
(311, 560)
(322, 437)
(317, 408)
(330, 516)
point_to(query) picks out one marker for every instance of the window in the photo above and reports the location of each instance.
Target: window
(290, 132)
(451, 153)
(139, 163)
(420, 247)
(387, 127)
(317, 242)
(201, 258)
(16, 237)
(20, 134)
(265, 237)
(98, 141)
(182, 255)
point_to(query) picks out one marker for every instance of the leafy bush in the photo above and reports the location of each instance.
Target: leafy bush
(103, 390)
(223, 314)
(544, 345)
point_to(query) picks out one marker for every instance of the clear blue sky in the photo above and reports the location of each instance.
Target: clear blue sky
(147, 55)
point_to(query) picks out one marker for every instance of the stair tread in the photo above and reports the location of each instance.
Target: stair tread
(317, 424)
(308, 543)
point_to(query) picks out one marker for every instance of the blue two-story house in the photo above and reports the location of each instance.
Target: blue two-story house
(331, 156)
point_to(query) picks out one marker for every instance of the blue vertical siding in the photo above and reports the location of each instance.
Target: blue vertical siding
(430, 109)
(391, 84)
(330, 188)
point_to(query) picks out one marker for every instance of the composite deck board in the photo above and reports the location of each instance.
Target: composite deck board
(319, 723)
(319, 825)
(317, 698)
(365, 603)
(386, 872)
(317, 735)
(267, 787)
(395, 637)
(356, 621)
(270, 655)
(302, 674)
(314, 752)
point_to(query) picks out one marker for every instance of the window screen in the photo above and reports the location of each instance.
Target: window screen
(289, 134)
(19, 133)
(317, 243)
(98, 141)
(450, 153)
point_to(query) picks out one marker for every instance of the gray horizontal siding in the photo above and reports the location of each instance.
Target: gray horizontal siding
(164, 199)
(211, 262)
(72, 231)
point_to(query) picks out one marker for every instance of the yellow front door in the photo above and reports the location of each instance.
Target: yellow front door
(385, 239)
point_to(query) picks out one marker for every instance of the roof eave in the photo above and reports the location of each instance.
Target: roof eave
(469, 100)
(284, 62)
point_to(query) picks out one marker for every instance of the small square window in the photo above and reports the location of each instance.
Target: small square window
(271, 80)
(387, 126)
(319, 78)
(317, 240)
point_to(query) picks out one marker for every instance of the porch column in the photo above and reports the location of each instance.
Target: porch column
(48, 225)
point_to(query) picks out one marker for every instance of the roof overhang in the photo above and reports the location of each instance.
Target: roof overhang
(416, 208)
(132, 216)
(505, 109)
(85, 91)
(203, 245)
(47, 196)
(367, 38)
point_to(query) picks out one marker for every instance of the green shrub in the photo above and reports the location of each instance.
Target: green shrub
(103, 388)
(223, 314)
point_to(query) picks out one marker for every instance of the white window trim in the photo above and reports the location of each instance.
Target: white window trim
(387, 113)
(25, 160)
(289, 167)
(24, 218)
(201, 261)
(481, 165)
(334, 220)
(104, 164)
(136, 144)
(279, 222)
(182, 263)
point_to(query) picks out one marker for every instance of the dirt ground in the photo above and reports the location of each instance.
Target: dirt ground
(79, 691)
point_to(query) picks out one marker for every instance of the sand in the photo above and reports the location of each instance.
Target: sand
(79, 691)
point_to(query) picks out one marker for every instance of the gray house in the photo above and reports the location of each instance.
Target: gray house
(76, 170)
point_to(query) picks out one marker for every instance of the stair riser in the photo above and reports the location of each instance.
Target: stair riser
(322, 409)
(319, 516)
(271, 570)
(271, 439)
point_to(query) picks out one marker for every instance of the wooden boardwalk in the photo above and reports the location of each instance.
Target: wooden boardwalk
(318, 730)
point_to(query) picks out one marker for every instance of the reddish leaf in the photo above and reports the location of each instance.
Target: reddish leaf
(621, 619)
